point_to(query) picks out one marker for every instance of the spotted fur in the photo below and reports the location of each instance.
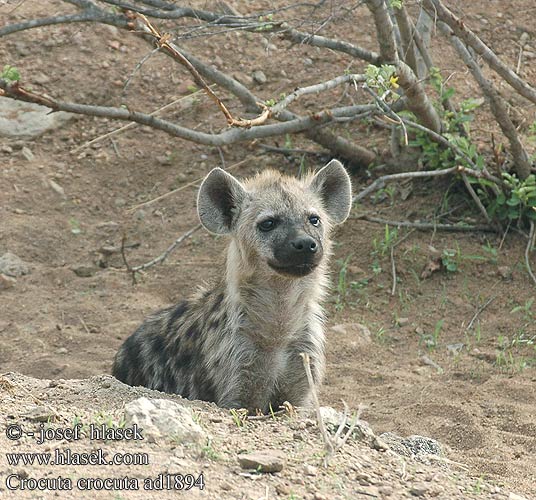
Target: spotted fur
(238, 343)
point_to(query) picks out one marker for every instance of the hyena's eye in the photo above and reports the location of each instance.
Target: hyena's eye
(314, 220)
(267, 225)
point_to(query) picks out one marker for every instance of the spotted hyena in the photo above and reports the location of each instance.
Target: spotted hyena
(238, 343)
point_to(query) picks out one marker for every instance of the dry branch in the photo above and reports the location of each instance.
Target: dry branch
(288, 33)
(406, 34)
(529, 248)
(418, 101)
(384, 30)
(300, 124)
(430, 226)
(165, 254)
(163, 41)
(316, 89)
(497, 105)
(437, 9)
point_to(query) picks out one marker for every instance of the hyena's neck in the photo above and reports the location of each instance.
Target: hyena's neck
(273, 309)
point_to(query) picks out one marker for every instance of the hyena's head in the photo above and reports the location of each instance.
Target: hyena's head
(279, 224)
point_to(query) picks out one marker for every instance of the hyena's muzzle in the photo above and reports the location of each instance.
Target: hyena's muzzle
(297, 255)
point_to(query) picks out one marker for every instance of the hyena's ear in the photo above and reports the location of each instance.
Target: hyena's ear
(332, 183)
(219, 200)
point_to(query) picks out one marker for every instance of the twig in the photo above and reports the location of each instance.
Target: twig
(134, 124)
(426, 226)
(289, 151)
(380, 182)
(475, 197)
(317, 88)
(286, 32)
(393, 271)
(84, 324)
(479, 311)
(163, 256)
(437, 8)
(163, 41)
(328, 444)
(530, 247)
(497, 105)
(125, 261)
(82, 17)
(174, 191)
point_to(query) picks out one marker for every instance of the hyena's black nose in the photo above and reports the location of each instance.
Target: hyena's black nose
(304, 244)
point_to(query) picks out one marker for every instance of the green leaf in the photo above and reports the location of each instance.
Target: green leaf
(10, 74)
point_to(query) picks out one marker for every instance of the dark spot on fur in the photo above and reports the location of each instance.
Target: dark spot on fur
(217, 303)
(214, 324)
(192, 331)
(205, 387)
(157, 345)
(177, 312)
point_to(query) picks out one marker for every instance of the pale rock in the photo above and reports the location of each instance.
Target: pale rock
(13, 266)
(161, 418)
(56, 188)
(6, 282)
(27, 120)
(263, 460)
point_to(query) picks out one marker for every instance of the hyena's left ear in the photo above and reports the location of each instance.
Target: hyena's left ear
(219, 200)
(332, 183)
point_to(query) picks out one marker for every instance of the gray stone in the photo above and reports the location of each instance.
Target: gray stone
(160, 418)
(13, 266)
(333, 418)
(259, 77)
(40, 414)
(515, 496)
(27, 120)
(84, 270)
(416, 447)
(56, 188)
(27, 153)
(419, 489)
(263, 460)
(359, 332)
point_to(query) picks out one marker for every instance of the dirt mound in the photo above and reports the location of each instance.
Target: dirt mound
(228, 463)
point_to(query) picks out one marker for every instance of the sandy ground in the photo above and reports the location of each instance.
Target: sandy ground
(420, 370)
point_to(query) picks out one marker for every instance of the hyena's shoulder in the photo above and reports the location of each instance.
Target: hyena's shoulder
(167, 352)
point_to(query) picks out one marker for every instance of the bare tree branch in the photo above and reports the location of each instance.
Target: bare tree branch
(384, 29)
(418, 101)
(422, 34)
(529, 248)
(164, 256)
(82, 17)
(429, 226)
(406, 34)
(380, 182)
(299, 124)
(316, 89)
(288, 33)
(163, 42)
(437, 9)
(497, 105)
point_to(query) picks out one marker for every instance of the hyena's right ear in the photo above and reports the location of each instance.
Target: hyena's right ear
(219, 200)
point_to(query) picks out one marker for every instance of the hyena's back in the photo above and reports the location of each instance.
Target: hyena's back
(166, 354)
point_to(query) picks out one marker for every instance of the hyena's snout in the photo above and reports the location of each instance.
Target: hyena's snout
(297, 255)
